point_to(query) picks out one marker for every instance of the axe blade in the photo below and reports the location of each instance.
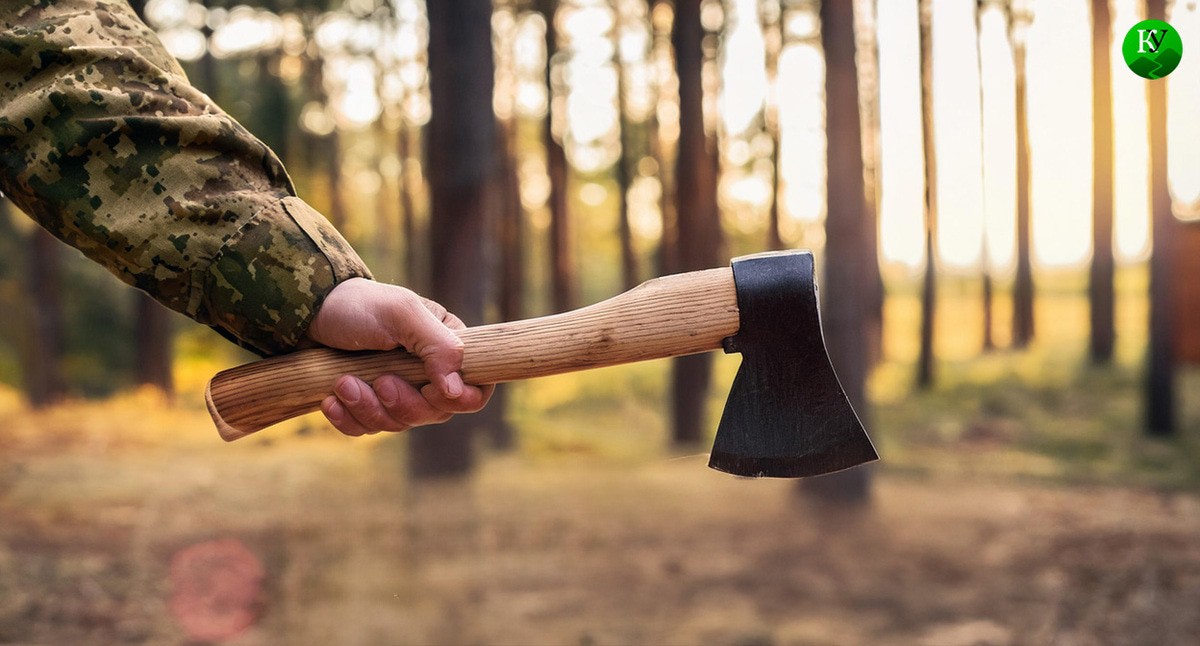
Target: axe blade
(787, 415)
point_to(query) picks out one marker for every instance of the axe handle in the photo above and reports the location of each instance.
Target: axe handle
(664, 317)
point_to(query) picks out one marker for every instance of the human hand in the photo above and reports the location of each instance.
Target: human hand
(361, 314)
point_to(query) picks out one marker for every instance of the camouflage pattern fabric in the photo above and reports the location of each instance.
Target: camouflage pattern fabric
(105, 143)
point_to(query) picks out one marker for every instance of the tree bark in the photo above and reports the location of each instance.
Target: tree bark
(510, 231)
(867, 59)
(338, 213)
(276, 122)
(847, 276)
(1160, 369)
(1100, 285)
(775, 36)
(411, 266)
(463, 169)
(154, 340)
(44, 381)
(668, 248)
(629, 261)
(987, 291)
(698, 217)
(564, 283)
(1022, 329)
(925, 359)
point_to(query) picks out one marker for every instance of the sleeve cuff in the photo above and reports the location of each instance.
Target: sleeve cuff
(268, 281)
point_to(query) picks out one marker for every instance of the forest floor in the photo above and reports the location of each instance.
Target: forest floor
(1017, 503)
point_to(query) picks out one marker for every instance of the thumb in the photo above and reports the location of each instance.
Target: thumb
(427, 337)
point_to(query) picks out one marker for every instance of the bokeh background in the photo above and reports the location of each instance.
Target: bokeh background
(1003, 213)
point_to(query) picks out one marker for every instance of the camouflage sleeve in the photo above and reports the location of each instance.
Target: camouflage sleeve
(106, 145)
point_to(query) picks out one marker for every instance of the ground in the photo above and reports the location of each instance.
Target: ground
(1017, 502)
(571, 551)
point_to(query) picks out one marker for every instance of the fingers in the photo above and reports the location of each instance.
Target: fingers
(393, 406)
(363, 314)
(341, 419)
(472, 399)
(426, 333)
(405, 404)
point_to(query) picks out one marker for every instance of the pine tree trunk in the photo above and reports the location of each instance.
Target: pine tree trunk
(698, 218)
(1022, 332)
(775, 36)
(925, 358)
(413, 277)
(867, 61)
(1160, 370)
(845, 314)
(154, 340)
(564, 283)
(510, 231)
(987, 291)
(1100, 286)
(275, 124)
(462, 174)
(44, 381)
(668, 248)
(629, 261)
(338, 213)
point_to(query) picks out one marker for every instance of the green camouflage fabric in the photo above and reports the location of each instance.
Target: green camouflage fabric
(105, 143)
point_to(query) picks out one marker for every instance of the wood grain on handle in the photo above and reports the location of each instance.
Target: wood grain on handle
(664, 317)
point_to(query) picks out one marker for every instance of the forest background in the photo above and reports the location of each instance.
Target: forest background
(1005, 237)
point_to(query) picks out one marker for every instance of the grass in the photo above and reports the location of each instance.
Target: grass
(1046, 411)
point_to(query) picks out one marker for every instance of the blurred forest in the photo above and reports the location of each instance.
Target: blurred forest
(1032, 402)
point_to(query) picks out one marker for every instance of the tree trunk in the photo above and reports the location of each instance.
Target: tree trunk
(564, 284)
(847, 276)
(925, 359)
(668, 248)
(510, 231)
(413, 277)
(989, 339)
(698, 218)
(338, 213)
(1100, 286)
(774, 36)
(629, 261)
(44, 381)
(153, 325)
(1160, 370)
(462, 173)
(1022, 329)
(867, 60)
(276, 122)
(989, 342)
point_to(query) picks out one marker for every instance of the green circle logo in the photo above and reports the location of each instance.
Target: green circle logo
(1152, 49)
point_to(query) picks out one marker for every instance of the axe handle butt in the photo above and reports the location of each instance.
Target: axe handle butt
(664, 317)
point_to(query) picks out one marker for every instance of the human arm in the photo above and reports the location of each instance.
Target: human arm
(105, 143)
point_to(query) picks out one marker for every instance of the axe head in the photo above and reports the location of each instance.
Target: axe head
(787, 416)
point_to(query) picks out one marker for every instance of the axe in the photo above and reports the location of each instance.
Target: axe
(786, 415)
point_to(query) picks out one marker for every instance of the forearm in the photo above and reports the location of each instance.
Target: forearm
(104, 143)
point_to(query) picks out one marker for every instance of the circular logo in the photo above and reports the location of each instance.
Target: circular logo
(1152, 49)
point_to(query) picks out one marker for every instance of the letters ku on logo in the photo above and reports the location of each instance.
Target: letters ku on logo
(1152, 49)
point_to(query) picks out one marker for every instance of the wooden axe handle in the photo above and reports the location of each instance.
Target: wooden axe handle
(664, 317)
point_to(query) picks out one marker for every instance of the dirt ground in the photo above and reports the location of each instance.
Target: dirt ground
(569, 550)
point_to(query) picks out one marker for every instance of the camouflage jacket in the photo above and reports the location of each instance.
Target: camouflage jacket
(105, 143)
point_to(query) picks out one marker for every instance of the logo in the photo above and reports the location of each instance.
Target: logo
(1152, 49)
